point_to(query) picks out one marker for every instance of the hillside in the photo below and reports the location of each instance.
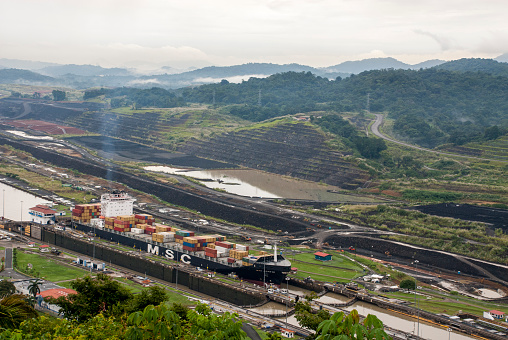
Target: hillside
(83, 70)
(489, 66)
(16, 76)
(430, 107)
(494, 149)
(359, 66)
(292, 149)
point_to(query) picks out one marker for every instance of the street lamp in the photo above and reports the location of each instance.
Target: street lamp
(417, 306)
(287, 298)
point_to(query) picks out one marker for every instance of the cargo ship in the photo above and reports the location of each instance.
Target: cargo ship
(112, 219)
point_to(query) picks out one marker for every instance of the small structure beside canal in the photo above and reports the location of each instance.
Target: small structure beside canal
(322, 256)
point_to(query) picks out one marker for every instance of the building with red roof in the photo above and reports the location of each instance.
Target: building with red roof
(322, 256)
(57, 292)
(43, 214)
(497, 314)
(53, 293)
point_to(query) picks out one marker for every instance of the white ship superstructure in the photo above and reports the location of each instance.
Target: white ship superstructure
(116, 204)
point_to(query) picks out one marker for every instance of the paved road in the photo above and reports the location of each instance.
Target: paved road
(8, 258)
(375, 130)
(9, 271)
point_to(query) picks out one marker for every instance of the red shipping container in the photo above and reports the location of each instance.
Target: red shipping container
(224, 244)
(119, 229)
(189, 248)
(231, 260)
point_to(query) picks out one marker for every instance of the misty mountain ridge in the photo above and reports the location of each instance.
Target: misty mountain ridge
(503, 58)
(25, 64)
(489, 66)
(87, 76)
(359, 66)
(17, 76)
(83, 70)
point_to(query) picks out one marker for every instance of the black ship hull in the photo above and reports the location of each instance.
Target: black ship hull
(259, 272)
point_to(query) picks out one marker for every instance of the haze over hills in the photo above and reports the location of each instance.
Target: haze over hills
(358, 66)
(476, 65)
(86, 76)
(83, 70)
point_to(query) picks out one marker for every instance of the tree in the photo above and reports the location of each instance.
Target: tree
(14, 309)
(274, 336)
(58, 95)
(94, 296)
(159, 322)
(342, 327)
(306, 316)
(33, 290)
(407, 284)
(7, 288)
(154, 295)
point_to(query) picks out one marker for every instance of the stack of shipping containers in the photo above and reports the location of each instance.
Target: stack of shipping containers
(124, 223)
(85, 212)
(144, 219)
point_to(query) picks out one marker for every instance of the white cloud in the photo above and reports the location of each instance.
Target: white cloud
(225, 32)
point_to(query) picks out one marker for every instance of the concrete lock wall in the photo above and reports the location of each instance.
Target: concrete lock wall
(168, 193)
(152, 268)
(424, 256)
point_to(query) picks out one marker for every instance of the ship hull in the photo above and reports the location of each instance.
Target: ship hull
(258, 272)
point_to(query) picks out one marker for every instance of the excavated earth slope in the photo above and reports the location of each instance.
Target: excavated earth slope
(295, 150)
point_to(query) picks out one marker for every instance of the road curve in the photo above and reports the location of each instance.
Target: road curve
(375, 130)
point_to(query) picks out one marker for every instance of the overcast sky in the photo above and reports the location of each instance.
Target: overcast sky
(225, 32)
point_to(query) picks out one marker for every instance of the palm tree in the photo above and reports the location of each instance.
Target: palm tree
(33, 290)
(14, 309)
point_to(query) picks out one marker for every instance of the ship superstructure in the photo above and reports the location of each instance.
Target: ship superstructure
(210, 252)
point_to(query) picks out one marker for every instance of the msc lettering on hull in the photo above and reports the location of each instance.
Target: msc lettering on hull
(169, 254)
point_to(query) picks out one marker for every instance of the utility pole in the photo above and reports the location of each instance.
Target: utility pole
(259, 97)
(417, 306)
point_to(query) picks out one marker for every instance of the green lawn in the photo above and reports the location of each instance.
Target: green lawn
(49, 269)
(325, 271)
(132, 286)
(449, 304)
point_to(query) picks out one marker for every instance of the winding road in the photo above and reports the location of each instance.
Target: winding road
(375, 130)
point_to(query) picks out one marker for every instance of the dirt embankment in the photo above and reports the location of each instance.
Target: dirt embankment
(204, 203)
(295, 150)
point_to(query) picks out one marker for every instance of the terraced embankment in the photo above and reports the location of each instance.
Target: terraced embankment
(292, 149)
(296, 150)
(496, 149)
(204, 202)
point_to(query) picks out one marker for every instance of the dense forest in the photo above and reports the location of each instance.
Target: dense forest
(430, 107)
(125, 96)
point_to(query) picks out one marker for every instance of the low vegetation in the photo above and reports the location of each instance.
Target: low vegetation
(414, 227)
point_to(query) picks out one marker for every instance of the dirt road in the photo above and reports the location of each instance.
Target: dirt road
(375, 130)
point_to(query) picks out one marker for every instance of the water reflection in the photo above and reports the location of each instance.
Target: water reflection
(252, 183)
(390, 319)
(11, 206)
(406, 323)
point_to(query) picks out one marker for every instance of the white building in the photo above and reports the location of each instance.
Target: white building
(116, 204)
(44, 214)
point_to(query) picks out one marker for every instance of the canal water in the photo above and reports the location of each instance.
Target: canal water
(390, 319)
(14, 203)
(253, 183)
